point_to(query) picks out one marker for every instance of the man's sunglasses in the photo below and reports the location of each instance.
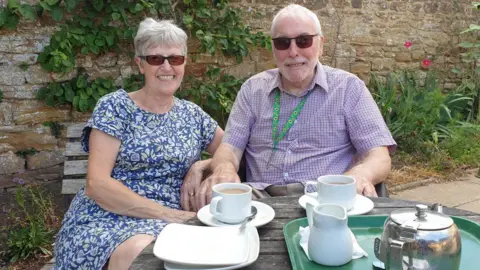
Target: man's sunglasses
(158, 60)
(303, 42)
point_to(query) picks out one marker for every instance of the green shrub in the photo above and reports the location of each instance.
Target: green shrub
(415, 114)
(33, 232)
(464, 144)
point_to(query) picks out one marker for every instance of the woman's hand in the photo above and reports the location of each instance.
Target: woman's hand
(192, 182)
(178, 216)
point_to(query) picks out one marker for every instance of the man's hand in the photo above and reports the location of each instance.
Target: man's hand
(222, 174)
(191, 184)
(365, 187)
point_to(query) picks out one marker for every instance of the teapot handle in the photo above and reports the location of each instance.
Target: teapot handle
(395, 255)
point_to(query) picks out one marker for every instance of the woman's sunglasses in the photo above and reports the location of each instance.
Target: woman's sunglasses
(303, 42)
(158, 60)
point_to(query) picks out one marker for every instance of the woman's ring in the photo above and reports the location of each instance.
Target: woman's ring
(192, 194)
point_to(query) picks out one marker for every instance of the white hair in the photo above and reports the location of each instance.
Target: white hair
(152, 33)
(296, 11)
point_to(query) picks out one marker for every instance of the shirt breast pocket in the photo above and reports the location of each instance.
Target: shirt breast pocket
(326, 132)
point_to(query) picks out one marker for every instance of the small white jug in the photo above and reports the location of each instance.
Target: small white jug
(330, 242)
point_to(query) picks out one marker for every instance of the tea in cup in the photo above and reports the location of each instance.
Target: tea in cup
(231, 202)
(334, 189)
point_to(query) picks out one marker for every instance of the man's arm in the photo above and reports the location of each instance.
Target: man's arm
(372, 168)
(224, 166)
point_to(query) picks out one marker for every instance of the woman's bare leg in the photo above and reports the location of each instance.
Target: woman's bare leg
(123, 256)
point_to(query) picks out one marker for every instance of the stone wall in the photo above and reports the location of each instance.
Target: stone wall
(361, 36)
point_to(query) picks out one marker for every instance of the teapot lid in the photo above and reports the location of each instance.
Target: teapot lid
(426, 220)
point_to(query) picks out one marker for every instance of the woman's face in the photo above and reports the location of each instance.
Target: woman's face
(164, 78)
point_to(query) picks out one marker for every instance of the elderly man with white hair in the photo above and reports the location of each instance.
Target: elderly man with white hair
(300, 121)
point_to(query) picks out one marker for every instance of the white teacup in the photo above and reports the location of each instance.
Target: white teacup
(335, 189)
(231, 202)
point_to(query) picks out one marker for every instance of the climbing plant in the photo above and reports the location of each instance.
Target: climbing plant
(99, 26)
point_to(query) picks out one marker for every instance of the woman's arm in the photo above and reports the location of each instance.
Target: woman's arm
(111, 194)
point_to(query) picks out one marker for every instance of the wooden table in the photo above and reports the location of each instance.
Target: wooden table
(273, 251)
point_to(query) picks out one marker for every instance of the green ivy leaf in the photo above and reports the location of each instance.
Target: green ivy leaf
(81, 82)
(84, 50)
(83, 105)
(115, 16)
(137, 8)
(57, 13)
(91, 103)
(50, 101)
(12, 4)
(110, 40)
(42, 93)
(12, 21)
(466, 45)
(75, 101)
(99, 42)
(70, 4)
(58, 91)
(187, 19)
(69, 94)
(51, 2)
(95, 49)
(97, 4)
(456, 71)
(27, 12)
(3, 17)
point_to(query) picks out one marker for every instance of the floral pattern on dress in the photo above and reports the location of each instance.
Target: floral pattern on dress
(156, 152)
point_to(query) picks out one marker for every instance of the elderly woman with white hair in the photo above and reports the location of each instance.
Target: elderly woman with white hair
(141, 145)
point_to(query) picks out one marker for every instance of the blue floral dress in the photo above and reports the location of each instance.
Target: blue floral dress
(155, 153)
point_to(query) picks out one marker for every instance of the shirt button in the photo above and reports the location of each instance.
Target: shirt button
(288, 151)
(295, 121)
(285, 174)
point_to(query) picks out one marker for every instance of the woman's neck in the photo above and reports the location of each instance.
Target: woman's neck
(151, 101)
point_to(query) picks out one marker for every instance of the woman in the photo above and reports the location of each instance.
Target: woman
(140, 145)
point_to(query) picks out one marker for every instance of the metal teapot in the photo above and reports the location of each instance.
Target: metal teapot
(417, 239)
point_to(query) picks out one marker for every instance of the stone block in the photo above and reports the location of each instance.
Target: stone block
(6, 113)
(344, 63)
(11, 75)
(16, 43)
(45, 159)
(62, 77)
(31, 177)
(26, 91)
(107, 60)
(81, 116)
(84, 61)
(36, 75)
(383, 64)
(11, 163)
(127, 71)
(40, 114)
(432, 8)
(28, 58)
(358, 68)
(103, 72)
(262, 66)
(5, 147)
(242, 70)
(357, 3)
(195, 69)
(403, 57)
(418, 55)
(124, 59)
(345, 51)
(398, 6)
(29, 139)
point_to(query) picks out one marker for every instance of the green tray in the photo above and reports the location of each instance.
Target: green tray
(366, 228)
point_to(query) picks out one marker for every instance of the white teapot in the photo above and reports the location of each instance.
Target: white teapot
(330, 242)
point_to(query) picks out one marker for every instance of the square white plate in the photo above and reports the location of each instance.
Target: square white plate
(200, 245)
(254, 250)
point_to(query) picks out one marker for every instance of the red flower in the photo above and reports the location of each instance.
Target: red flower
(408, 44)
(426, 62)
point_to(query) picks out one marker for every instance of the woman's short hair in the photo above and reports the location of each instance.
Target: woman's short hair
(152, 33)
(296, 11)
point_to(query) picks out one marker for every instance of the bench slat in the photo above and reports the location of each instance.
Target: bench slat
(72, 186)
(74, 149)
(75, 167)
(75, 131)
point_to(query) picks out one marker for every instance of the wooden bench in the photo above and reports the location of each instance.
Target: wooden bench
(75, 168)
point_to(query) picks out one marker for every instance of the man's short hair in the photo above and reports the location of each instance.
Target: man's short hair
(296, 11)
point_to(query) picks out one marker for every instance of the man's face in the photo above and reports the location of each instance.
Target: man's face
(296, 64)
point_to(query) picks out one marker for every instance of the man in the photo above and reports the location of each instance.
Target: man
(298, 122)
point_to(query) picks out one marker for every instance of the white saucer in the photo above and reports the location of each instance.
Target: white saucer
(200, 245)
(362, 205)
(254, 250)
(265, 215)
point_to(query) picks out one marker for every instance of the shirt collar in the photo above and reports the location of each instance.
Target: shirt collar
(319, 79)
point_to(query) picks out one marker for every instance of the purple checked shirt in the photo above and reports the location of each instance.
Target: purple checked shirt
(339, 120)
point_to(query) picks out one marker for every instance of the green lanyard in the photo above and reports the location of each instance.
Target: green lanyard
(276, 113)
